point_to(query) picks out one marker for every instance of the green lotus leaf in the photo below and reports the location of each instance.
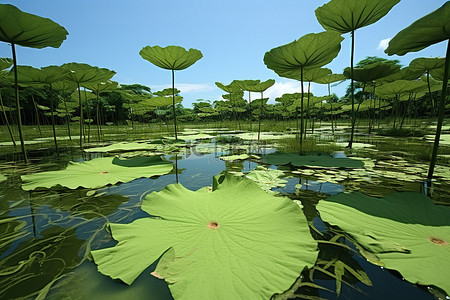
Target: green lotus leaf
(260, 87)
(100, 87)
(171, 57)
(398, 88)
(330, 78)
(267, 178)
(311, 51)
(372, 72)
(347, 15)
(42, 107)
(426, 64)
(406, 232)
(245, 84)
(24, 29)
(84, 73)
(405, 73)
(321, 161)
(47, 75)
(161, 101)
(97, 173)
(213, 245)
(231, 88)
(65, 85)
(428, 30)
(5, 63)
(123, 147)
(437, 74)
(2, 177)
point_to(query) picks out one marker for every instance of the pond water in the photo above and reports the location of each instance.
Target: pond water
(46, 236)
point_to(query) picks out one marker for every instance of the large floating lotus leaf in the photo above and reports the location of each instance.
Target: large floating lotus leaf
(372, 72)
(97, 173)
(323, 160)
(405, 231)
(24, 29)
(123, 147)
(431, 29)
(311, 51)
(84, 73)
(171, 57)
(214, 245)
(347, 15)
(5, 63)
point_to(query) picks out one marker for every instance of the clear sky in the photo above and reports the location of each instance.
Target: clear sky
(233, 36)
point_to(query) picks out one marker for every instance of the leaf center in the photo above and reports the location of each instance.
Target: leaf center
(438, 241)
(213, 225)
(103, 173)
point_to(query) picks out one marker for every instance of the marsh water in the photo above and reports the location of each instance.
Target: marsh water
(46, 236)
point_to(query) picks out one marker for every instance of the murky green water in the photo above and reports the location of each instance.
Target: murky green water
(46, 236)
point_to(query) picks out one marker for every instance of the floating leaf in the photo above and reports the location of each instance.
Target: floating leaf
(97, 173)
(214, 245)
(406, 231)
(322, 160)
(267, 178)
(123, 147)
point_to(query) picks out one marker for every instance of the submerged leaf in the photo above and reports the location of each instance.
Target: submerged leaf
(406, 231)
(97, 173)
(215, 245)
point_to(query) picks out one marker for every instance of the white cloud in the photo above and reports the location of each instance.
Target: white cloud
(280, 88)
(185, 87)
(383, 44)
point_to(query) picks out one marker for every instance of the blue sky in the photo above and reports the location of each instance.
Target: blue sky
(233, 36)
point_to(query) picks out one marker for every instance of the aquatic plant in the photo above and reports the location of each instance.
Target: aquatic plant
(172, 58)
(5, 63)
(97, 173)
(211, 245)
(311, 51)
(27, 30)
(346, 16)
(402, 231)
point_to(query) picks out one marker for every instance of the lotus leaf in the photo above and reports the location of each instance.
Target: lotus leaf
(330, 78)
(5, 63)
(321, 161)
(123, 147)
(261, 86)
(372, 72)
(426, 64)
(171, 57)
(243, 156)
(431, 29)
(213, 245)
(97, 173)
(2, 177)
(308, 52)
(161, 101)
(347, 15)
(24, 29)
(406, 232)
(267, 178)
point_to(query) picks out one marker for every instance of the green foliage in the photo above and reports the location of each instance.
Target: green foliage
(428, 30)
(348, 15)
(204, 237)
(402, 231)
(27, 30)
(315, 161)
(97, 173)
(310, 51)
(170, 57)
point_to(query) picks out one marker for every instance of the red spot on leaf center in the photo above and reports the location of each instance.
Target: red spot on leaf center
(213, 225)
(438, 241)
